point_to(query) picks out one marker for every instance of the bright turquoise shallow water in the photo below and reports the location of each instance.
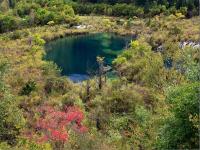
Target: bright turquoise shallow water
(76, 55)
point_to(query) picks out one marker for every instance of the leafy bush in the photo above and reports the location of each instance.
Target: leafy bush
(5, 146)
(23, 8)
(183, 10)
(141, 65)
(28, 88)
(51, 23)
(180, 130)
(11, 117)
(26, 14)
(54, 125)
(38, 40)
(157, 9)
(43, 16)
(175, 30)
(8, 23)
(58, 85)
(18, 34)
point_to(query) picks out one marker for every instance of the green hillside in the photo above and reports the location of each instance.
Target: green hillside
(150, 100)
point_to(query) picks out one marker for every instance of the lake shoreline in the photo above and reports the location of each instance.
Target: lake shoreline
(85, 48)
(18, 45)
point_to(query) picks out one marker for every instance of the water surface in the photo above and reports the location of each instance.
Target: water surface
(76, 55)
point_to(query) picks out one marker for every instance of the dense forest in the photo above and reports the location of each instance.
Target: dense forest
(136, 7)
(36, 12)
(152, 102)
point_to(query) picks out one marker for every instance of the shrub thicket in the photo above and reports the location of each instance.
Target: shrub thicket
(26, 14)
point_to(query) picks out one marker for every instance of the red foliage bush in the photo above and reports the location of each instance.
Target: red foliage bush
(53, 125)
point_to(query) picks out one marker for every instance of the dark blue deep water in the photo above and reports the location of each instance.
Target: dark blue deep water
(76, 55)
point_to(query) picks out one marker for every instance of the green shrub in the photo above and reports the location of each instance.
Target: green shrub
(56, 85)
(23, 9)
(11, 117)
(28, 88)
(15, 35)
(50, 68)
(5, 146)
(18, 34)
(8, 23)
(180, 130)
(43, 16)
(183, 10)
(157, 9)
(38, 40)
(51, 23)
(175, 30)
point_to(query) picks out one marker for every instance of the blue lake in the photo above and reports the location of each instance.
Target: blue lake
(76, 55)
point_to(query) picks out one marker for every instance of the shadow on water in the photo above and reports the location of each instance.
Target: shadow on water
(76, 55)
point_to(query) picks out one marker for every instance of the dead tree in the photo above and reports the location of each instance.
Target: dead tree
(100, 61)
(102, 71)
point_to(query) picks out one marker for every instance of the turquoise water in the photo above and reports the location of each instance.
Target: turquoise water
(76, 55)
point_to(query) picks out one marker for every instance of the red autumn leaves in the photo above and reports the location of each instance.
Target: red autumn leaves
(53, 125)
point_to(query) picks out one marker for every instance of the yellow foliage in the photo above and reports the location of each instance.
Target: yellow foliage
(179, 15)
(134, 44)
